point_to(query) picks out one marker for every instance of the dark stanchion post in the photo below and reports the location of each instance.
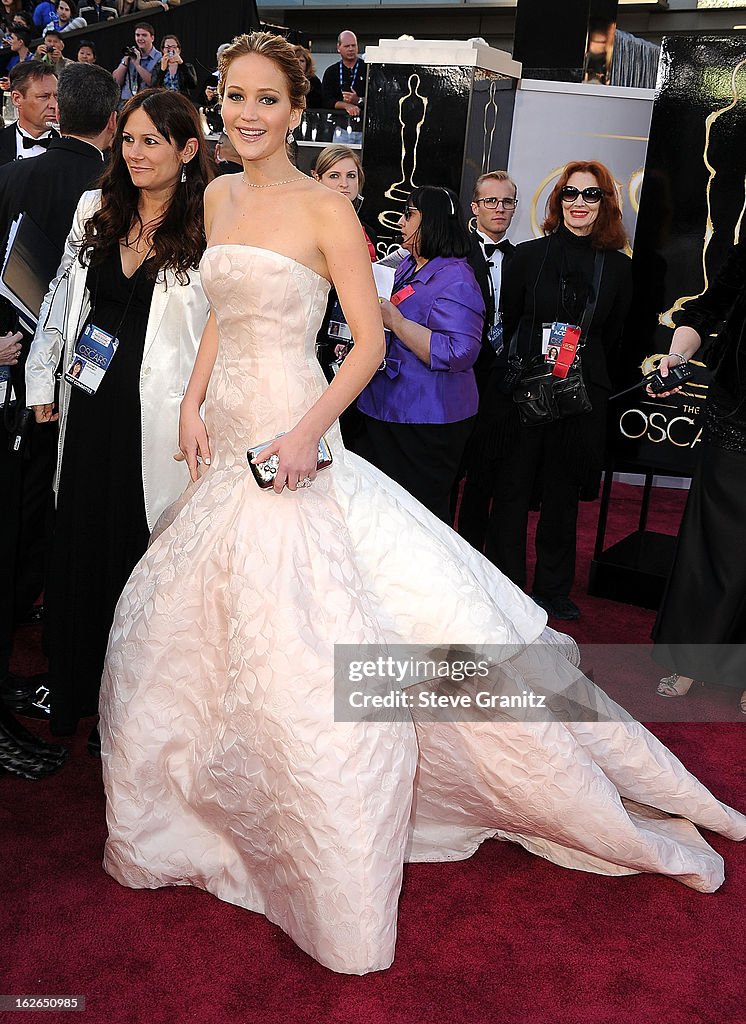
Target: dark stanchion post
(551, 47)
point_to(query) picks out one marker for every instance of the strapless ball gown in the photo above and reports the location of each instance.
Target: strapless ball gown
(223, 764)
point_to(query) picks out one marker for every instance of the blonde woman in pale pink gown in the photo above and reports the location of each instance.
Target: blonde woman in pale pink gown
(223, 763)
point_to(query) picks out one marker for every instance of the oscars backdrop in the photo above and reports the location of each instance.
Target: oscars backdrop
(691, 211)
(430, 124)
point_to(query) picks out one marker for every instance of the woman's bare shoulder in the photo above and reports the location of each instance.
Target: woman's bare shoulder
(218, 187)
(331, 211)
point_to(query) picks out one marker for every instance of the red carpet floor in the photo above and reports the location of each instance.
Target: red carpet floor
(504, 937)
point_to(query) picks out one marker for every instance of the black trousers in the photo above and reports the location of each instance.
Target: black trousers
(422, 457)
(533, 470)
(474, 512)
(26, 510)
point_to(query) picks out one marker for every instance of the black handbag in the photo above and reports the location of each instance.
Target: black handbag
(539, 396)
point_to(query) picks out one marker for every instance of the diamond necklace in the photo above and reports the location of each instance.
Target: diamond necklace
(272, 184)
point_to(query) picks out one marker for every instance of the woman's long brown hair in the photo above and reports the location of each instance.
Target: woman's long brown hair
(179, 240)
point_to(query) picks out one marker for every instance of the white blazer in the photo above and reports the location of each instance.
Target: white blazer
(178, 313)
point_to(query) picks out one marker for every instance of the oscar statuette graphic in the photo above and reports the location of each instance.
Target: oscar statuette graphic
(412, 112)
(489, 124)
(725, 178)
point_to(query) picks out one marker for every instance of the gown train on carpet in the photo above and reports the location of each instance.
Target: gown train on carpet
(224, 766)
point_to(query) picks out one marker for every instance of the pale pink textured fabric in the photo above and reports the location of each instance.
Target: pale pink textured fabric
(223, 765)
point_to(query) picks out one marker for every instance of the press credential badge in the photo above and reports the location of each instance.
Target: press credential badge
(94, 352)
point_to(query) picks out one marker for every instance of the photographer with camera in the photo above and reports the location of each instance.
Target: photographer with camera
(138, 63)
(172, 73)
(52, 53)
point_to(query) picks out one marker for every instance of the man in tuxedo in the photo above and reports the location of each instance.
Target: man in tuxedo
(494, 201)
(493, 204)
(48, 189)
(33, 89)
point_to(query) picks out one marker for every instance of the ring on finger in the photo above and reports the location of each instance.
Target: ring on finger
(305, 482)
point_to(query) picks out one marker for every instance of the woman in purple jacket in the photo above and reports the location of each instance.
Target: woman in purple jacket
(419, 408)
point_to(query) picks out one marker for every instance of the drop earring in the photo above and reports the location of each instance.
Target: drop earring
(291, 138)
(183, 173)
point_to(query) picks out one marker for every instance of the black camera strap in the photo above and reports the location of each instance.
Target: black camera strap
(589, 312)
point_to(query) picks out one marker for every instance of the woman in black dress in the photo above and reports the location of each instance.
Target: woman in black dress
(129, 272)
(549, 281)
(701, 626)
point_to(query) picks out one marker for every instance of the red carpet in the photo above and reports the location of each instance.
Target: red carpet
(504, 937)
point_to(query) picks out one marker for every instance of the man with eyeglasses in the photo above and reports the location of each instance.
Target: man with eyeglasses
(493, 204)
(494, 201)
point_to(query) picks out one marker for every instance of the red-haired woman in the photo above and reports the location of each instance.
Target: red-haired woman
(552, 280)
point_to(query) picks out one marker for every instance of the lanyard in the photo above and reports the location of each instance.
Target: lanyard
(353, 78)
(134, 279)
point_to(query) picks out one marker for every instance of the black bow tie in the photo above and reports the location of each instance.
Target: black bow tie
(490, 247)
(29, 143)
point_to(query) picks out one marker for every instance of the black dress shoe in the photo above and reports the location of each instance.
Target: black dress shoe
(38, 706)
(558, 607)
(29, 744)
(14, 760)
(16, 691)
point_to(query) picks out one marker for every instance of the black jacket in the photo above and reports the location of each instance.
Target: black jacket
(532, 293)
(315, 95)
(548, 279)
(48, 189)
(8, 149)
(478, 264)
(49, 186)
(187, 78)
(332, 93)
(94, 17)
(721, 310)
(8, 144)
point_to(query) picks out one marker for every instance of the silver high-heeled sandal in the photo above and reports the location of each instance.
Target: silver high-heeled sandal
(667, 686)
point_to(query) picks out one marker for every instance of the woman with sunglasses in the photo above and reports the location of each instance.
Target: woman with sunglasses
(420, 406)
(551, 281)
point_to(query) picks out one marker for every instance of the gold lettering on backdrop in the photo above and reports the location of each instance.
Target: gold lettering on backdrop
(658, 427)
(412, 112)
(667, 318)
(634, 188)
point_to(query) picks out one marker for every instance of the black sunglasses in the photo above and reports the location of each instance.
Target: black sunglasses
(591, 196)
